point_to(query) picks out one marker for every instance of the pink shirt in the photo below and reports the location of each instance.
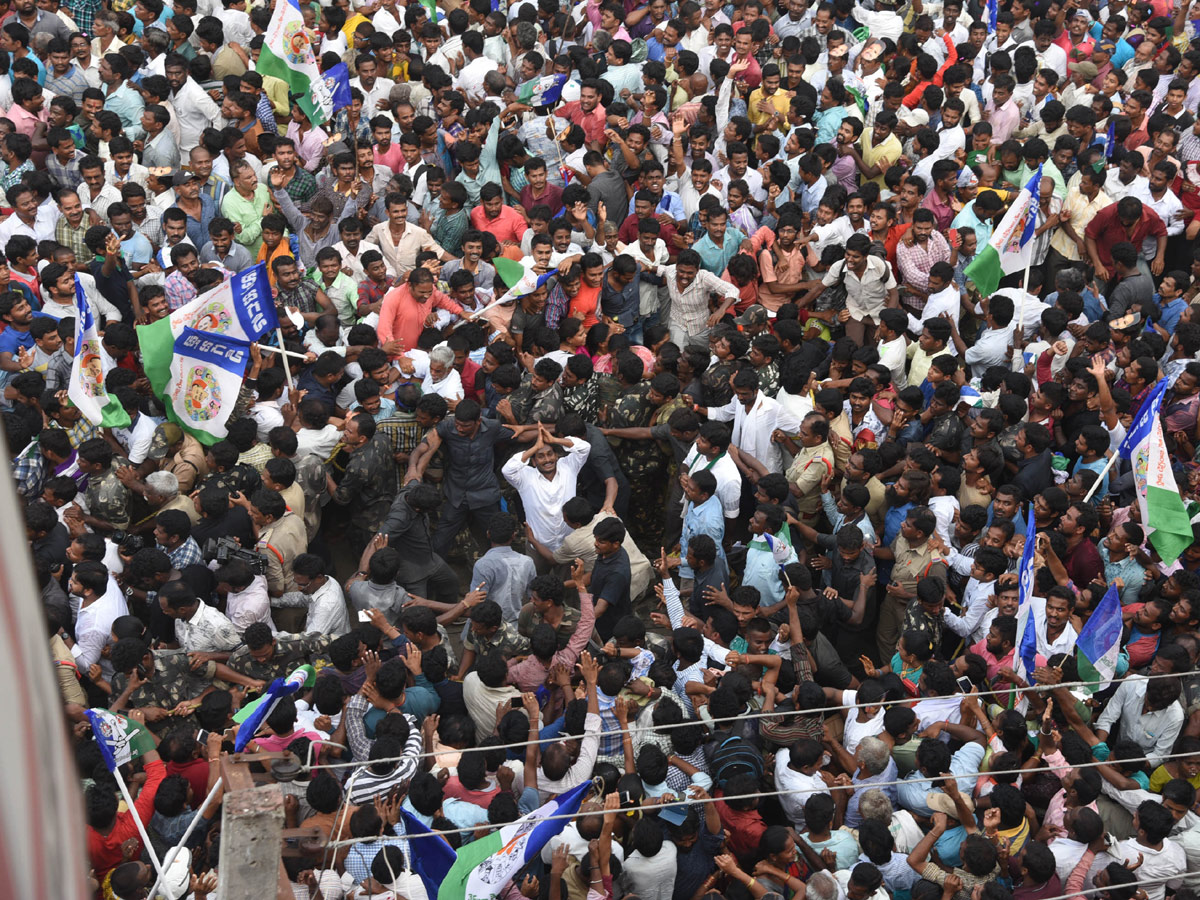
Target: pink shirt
(401, 317)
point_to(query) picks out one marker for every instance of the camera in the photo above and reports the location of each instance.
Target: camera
(223, 549)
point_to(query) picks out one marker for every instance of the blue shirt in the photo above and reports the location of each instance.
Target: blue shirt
(704, 518)
(137, 250)
(891, 522)
(964, 764)
(828, 122)
(714, 258)
(670, 203)
(1170, 313)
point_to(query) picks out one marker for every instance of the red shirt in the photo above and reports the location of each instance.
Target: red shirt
(196, 773)
(469, 370)
(628, 233)
(593, 123)
(508, 226)
(1106, 230)
(552, 197)
(104, 850)
(744, 828)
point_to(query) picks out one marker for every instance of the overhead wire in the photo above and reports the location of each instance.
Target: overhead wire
(633, 728)
(864, 786)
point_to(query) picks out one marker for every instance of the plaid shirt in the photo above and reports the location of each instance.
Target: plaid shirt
(302, 187)
(81, 431)
(369, 292)
(14, 177)
(186, 554)
(73, 237)
(612, 739)
(557, 302)
(448, 230)
(265, 113)
(66, 176)
(915, 262)
(179, 290)
(29, 472)
(84, 13)
(152, 227)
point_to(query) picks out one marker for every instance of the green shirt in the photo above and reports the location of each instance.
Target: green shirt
(344, 294)
(249, 214)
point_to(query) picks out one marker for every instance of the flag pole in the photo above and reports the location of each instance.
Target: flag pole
(137, 821)
(170, 857)
(1112, 461)
(286, 369)
(267, 348)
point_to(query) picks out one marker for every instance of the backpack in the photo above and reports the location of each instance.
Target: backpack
(734, 755)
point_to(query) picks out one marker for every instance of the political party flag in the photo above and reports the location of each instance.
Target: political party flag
(88, 370)
(993, 10)
(484, 866)
(1011, 244)
(1139, 428)
(121, 740)
(240, 308)
(520, 280)
(337, 80)
(432, 858)
(1164, 516)
(206, 377)
(251, 716)
(543, 91)
(1100, 641)
(1110, 140)
(1023, 660)
(287, 54)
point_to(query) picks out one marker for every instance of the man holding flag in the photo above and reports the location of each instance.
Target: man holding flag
(121, 741)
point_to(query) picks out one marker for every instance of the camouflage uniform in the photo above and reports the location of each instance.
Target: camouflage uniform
(291, 651)
(529, 407)
(172, 682)
(507, 640)
(916, 619)
(529, 618)
(107, 498)
(310, 476)
(584, 400)
(241, 478)
(643, 462)
(715, 389)
(768, 379)
(608, 391)
(368, 488)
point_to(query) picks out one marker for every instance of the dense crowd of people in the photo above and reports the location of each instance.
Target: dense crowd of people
(724, 514)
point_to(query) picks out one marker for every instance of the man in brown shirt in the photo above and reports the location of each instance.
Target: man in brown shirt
(914, 559)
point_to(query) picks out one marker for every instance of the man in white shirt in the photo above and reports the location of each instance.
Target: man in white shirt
(1160, 856)
(375, 90)
(199, 628)
(548, 484)
(711, 452)
(195, 109)
(469, 79)
(1149, 713)
(319, 594)
(755, 417)
(945, 299)
(100, 602)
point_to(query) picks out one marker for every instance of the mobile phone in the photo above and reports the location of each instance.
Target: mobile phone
(364, 615)
(202, 736)
(964, 684)
(141, 671)
(516, 703)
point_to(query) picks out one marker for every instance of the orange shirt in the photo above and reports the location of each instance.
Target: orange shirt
(583, 305)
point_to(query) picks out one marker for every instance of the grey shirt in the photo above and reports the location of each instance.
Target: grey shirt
(470, 463)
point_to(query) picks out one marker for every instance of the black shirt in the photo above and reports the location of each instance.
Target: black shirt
(470, 462)
(610, 581)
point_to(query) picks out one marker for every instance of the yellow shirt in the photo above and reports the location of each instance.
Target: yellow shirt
(1082, 211)
(779, 100)
(884, 155)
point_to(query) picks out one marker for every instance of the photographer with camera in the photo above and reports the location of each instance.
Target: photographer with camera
(279, 534)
